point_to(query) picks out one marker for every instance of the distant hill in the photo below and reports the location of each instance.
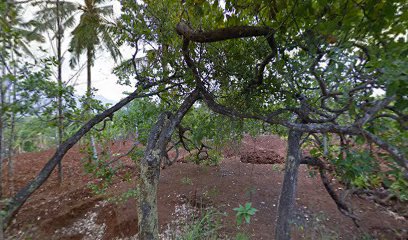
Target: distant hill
(104, 100)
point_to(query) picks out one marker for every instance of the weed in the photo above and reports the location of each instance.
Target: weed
(276, 168)
(245, 213)
(205, 227)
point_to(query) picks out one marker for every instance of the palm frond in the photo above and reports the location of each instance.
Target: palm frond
(110, 44)
(106, 10)
(93, 31)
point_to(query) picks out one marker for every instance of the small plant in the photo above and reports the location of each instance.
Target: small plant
(245, 212)
(186, 181)
(196, 225)
(276, 168)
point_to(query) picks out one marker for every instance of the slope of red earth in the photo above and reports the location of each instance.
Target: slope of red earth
(73, 211)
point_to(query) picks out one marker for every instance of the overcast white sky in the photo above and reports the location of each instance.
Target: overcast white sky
(102, 77)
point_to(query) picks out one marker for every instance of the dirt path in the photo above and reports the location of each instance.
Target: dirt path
(72, 211)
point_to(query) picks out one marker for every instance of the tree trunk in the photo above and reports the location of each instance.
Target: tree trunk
(288, 193)
(10, 152)
(2, 105)
(149, 180)
(88, 107)
(60, 106)
(88, 79)
(325, 145)
(1, 155)
(159, 137)
(94, 150)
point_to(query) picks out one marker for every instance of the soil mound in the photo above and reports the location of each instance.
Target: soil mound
(262, 157)
(258, 150)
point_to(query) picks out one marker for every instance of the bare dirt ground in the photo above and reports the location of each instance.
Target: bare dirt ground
(73, 211)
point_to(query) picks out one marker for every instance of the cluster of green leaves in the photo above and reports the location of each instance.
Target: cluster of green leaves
(104, 174)
(33, 134)
(245, 213)
(125, 196)
(136, 119)
(396, 182)
(358, 169)
(27, 86)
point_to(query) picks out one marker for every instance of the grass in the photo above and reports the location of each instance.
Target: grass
(205, 227)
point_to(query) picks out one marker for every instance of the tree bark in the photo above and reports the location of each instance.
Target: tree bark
(149, 180)
(159, 138)
(288, 193)
(60, 123)
(88, 78)
(223, 34)
(88, 108)
(2, 105)
(10, 152)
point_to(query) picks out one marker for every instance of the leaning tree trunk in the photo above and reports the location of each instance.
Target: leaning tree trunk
(288, 193)
(21, 197)
(159, 137)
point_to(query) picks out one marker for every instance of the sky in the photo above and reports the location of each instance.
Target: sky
(102, 77)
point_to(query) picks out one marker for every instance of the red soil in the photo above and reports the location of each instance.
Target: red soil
(63, 212)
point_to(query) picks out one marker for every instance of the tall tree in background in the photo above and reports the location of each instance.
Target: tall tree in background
(92, 32)
(16, 34)
(56, 17)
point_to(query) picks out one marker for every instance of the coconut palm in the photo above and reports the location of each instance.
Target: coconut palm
(93, 32)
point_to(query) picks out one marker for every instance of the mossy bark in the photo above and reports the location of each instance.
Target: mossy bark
(159, 137)
(149, 180)
(288, 193)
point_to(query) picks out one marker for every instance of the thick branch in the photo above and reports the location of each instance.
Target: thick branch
(222, 34)
(369, 114)
(343, 208)
(355, 129)
(393, 151)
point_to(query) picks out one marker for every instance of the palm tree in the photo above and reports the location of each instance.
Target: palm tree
(93, 31)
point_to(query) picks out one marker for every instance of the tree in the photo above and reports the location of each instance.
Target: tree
(56, 17)
(306, 61)
(15, 37)
(92, 31)
(309, 66)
